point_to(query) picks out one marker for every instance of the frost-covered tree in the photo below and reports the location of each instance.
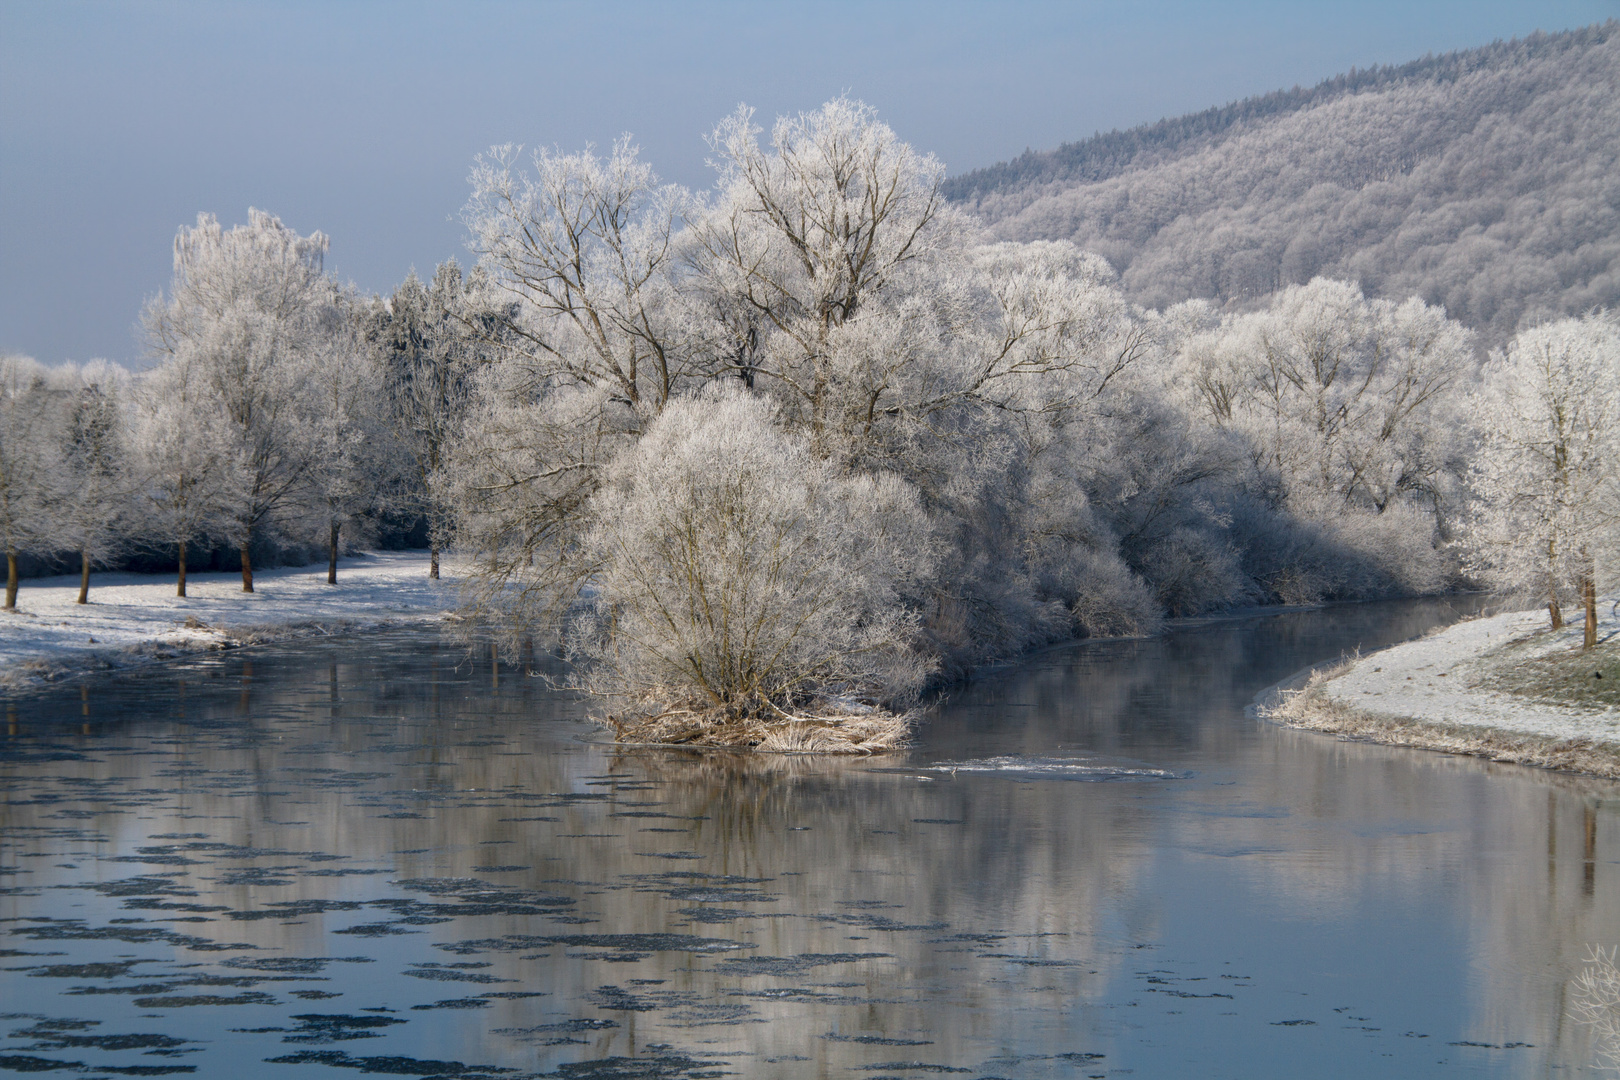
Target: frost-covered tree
(824, 274)
(587, 345)
(91, 503)
(806, 238)
(357, 467)
(1548, 421)
(1340, 397)
(1077, 464)
(519, 480)
(28, 463)
(184, 457)
(584, 245)
(837, 282)
(248, 304)
(733, 572)
(430, 341)
(1346, 409)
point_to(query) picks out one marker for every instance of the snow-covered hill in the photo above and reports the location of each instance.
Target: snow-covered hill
(1485, 180)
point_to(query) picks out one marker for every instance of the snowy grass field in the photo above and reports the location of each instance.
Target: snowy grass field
(1502, 686)
(136, 618)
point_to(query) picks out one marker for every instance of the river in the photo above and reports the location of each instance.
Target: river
(374, 855)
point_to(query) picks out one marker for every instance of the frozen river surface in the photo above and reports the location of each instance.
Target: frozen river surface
(370, 856)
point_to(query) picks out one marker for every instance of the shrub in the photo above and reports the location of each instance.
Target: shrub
(735, 574)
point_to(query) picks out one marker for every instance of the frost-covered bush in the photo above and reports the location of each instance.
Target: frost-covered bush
(1192, 571)
(1390, 554)
(735, 572)
(1108, 600)
(1309, 558)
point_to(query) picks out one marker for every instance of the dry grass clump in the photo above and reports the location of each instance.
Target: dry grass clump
(1310, 708)
(765, 776)
(869, 731)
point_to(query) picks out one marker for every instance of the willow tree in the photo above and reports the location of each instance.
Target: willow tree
(588, 346)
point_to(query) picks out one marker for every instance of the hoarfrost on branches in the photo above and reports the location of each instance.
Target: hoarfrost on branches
(247, 308)
(787, 450)
(1546, 475)
(27, 463)
(732, 571)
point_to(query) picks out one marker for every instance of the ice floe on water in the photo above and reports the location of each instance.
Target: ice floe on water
(1027, 767)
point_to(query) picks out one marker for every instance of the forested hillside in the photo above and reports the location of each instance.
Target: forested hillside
(1483, 180)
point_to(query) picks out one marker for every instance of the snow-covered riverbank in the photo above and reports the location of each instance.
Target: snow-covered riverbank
(1502, 687)
(134, 618)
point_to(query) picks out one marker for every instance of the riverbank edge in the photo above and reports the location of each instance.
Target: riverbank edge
(43, 673)
(1302, 702)
(51, 641)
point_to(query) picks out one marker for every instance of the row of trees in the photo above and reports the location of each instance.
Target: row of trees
(282, 408)
(812, 438)
(1030, 455)
(62, 463)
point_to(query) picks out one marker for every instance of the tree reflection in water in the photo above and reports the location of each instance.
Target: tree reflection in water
(379, 854)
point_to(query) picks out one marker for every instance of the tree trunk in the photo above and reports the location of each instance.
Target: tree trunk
(84, 577)
(11, 580)
(331, 556)
(180, 585)
(1553, 610)
(433, 563)
(1589, 599)
(247, 569)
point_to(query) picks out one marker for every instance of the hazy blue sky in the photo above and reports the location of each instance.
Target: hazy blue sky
(121, 121)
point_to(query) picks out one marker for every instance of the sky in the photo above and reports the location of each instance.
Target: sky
(121, 121)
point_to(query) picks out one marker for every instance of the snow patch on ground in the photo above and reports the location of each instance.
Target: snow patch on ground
(1434, 693)
(134, 618)
(1437, 678)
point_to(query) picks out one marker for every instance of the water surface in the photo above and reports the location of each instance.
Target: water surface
(373, 855)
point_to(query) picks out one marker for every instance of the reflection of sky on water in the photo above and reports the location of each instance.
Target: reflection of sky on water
(369, 854)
